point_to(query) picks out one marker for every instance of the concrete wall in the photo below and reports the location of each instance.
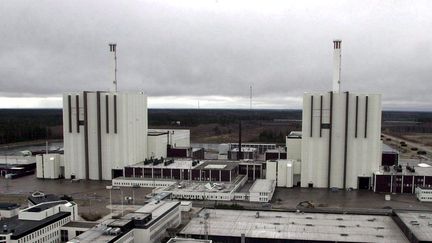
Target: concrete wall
(157, 146)
(355, 148)
(293, 148)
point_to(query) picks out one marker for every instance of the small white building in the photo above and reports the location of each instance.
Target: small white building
(39, 223)
(424, 194)
(8, 210)
(49, 166)
(262, 190)
(282, 171)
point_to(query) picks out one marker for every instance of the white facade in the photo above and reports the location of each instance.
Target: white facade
(340, 138)
(103, 131)
(48, 166)
(282, 171)
(424, 194)
(176, 137)
(30, 227)
(157, 145)
(293, 145)
(262, 190)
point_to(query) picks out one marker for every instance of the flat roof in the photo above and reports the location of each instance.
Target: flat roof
(387, 149)
(8, 206)
(200, 186)
(244, 149)
(81, 224)
(422, 168)
(44, 206)
(184, 240)
(262, 185)
(297, 226)
(418, 223)
(295, 134)
(216, 165)
(177, 164)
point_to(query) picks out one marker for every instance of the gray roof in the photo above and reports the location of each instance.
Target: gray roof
(298, 226)
(420, 223)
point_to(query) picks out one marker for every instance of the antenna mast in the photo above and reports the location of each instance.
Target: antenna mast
(250, 97)
(113, 48)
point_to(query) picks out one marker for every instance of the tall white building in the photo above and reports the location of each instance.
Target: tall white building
(340, 136)
(103, 132)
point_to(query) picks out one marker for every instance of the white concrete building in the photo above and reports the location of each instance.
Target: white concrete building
(147, 224)
(103, 132)
(340, 136)
(157, 144)
(282, 171)
(39, 223)
(293, 145)
(49, 166)
(262, 190)
(8, 210)
(424, 194)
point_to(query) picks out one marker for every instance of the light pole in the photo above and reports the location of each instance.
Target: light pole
(113, 48)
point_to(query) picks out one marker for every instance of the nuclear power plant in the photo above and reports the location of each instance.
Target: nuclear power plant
(341, 135)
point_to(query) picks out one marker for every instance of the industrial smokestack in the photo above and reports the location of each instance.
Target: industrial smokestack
(336, 65)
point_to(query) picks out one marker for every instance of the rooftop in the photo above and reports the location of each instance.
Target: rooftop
(262, 185)
(217, 165)
(8, 206)
(80, 224)
(177, 164)
(184, 240)
(245, 149)
(420, 223)
(298, 226)
(295, 134)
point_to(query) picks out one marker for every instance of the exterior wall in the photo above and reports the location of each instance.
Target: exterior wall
(156, 231)
(111, 143)
(8, 213)
(157, 146)
(49, 233)
(48, 166)
(400, 183)
(355, 147)
(281, 173)
(424, 194)
(271, 167)
(293, 148)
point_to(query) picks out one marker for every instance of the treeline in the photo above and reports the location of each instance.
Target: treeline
(194, 117)
(17, 125)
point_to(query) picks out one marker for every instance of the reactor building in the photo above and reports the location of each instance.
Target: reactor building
(341, 131)
(103, 133)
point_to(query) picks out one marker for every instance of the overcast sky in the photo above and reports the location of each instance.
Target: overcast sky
(179, 52)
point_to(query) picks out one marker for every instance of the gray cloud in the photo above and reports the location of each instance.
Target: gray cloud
(218, 48)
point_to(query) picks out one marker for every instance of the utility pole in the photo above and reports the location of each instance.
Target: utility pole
(113, 48)
(250, 97)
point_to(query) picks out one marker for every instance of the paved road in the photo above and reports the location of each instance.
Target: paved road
(411, 144)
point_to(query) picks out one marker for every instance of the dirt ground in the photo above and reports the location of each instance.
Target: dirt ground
(91, 196)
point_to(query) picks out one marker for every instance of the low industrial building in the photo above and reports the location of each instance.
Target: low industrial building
(39, 223)
(147, 224)
(261, 148)
(274, 154)
(403, 178)
(262, 190)
(424, 194)
(286, 173)
(293, 145)
(253, 169)
(271, 226)
(390, 156)
(8, 210)
(246, 153)
(49, 166)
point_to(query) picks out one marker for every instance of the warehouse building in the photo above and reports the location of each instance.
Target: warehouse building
(270, 226)
(103, 133)
(341, 144)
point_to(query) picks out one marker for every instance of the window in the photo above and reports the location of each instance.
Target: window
(64, 235)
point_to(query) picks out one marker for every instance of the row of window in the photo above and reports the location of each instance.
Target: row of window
(52, 227)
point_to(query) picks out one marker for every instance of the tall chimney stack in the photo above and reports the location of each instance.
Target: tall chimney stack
(336, 65)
